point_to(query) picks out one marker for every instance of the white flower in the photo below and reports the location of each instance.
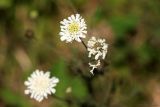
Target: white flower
(97, 48)
(73, 28)
(94, 66)
(39, 85)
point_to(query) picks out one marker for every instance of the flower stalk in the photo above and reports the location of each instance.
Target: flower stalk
(83, 43)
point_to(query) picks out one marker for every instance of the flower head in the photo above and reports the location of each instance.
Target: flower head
(39, 85)
(93, 66)
(73, 28)
(97, 48)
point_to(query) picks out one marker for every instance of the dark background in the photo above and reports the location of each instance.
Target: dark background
(129, 76)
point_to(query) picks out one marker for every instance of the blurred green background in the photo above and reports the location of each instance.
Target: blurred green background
(129, 76)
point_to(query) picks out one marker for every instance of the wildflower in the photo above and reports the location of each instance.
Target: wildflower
(39, 85)
(97, 48)
(94, 66)
(73, 28)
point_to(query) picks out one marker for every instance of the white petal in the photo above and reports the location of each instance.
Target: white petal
(53, 91)
(37, 72)
(69, 18)
(27, 83)
(82, 36)
(84, 31)
(30, 79)
(32, 95)
(63, 38)
(91, 71)
(39, 98)
(41, 73)
(73, 17)
(26, 91)
(45, 95)
(62, 33)
(97, 56)
(65, 21)
(47, 74)
(63, 27)
(53, 85)
(62, 22)
(77, 16)
(78, 39)
(55, 80)
(49, 92)
(103, 55)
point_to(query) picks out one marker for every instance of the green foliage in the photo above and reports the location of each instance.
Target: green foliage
(98, 15)
(12, 98)
(79, 90)
(121, 24)
(5, 3)
(32, 26)
(60, 71)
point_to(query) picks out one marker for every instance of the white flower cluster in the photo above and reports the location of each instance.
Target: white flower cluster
(73, 28)
(93, 66)
(39, 85)
(98, 49)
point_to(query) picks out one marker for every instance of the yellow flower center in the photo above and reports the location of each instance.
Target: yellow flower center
(73, 27)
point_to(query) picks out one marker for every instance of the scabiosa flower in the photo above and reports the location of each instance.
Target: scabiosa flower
(93, 66)
(39, 85)
(97, 48)
(73, 28)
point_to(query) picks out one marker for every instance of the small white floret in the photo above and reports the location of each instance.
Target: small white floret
(39, 85)
(97, 48)
(93, 66)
